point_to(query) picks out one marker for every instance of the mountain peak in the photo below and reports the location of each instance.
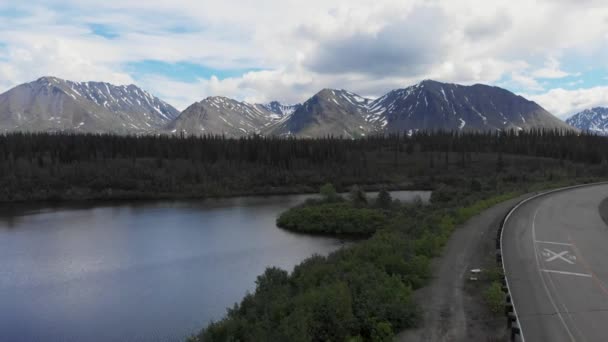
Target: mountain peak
(428, 81)
(434, 84)
(594, 120)
(53, 104)
(328, 92)
(433, 105)
(229, 117)
(217, 98)
(49, 80)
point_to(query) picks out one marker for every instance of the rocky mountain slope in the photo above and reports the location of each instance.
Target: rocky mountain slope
(329, 112)
(280, 109)
(432, 105)
(221, 115)
(52, 104)
(429, 105)
(594, 120)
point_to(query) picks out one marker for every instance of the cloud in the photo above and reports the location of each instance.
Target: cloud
(488, 27)
(397, 48)
(526, 82)
(55, 57)
(551, 70)
(565, 103)
(287, 50)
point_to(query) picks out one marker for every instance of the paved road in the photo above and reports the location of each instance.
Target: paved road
(555, 251)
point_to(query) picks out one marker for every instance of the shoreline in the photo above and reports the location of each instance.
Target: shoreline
(111, 196)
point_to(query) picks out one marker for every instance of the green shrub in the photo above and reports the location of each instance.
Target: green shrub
(328, 193)
(494, 297)
(384, 200)
(383, 332)
(332, 218)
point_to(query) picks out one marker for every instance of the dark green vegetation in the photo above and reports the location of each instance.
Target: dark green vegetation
(337, 218)
(332, 214)
(358, 293)
(494, 297)
(61, 166)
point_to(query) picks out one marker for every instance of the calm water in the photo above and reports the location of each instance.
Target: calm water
(154, 271)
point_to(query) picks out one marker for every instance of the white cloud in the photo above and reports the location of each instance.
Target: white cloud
(303, 46)
(550, 70)
(565, 103)
(526, 82)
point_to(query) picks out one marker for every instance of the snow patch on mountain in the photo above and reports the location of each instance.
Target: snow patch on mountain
(594, 120)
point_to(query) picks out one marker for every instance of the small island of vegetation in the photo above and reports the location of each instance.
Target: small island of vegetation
(333, 214)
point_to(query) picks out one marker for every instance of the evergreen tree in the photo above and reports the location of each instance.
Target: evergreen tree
(328, 193)
(358, 196)
(384, 199)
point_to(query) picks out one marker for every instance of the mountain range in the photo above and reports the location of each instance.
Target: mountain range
(52, 104)
(594, 120)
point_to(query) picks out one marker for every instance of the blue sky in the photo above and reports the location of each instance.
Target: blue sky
(104, 31)
(182, 71)
(185, 50)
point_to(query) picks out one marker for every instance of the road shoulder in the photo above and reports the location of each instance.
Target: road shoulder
(453, 307)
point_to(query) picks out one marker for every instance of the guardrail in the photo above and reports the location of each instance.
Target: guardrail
(513, 322)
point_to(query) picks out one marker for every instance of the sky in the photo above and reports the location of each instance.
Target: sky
(554, 52)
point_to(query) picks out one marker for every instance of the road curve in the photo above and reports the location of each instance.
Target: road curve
(555, 254)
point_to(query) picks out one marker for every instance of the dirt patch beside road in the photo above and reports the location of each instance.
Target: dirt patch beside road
(453, 305)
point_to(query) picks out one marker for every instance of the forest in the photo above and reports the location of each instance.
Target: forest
(53, 166)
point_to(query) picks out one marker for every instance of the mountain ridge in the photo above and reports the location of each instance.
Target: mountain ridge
(53, 104)
(593, 120)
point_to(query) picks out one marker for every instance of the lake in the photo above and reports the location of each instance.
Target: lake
(145, 271)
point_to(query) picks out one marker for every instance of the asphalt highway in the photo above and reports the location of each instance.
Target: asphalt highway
(555, 253)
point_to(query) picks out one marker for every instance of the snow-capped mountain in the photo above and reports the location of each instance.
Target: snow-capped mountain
(329, 112)
(53, 104)
(280, 109)
(429, 105)
(432, 105)
(221, 115)
(594, 120)
(127, 99)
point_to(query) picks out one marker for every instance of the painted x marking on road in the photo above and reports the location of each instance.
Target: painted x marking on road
(555, 256)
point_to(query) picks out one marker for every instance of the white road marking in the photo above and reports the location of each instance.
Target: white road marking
(554, 243)
(555, 256)
(568, 273)
(557, 310)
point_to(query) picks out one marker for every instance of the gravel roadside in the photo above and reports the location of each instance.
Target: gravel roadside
(453, 304)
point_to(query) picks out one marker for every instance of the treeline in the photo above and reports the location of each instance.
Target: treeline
(288, 152)
(66, 166)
